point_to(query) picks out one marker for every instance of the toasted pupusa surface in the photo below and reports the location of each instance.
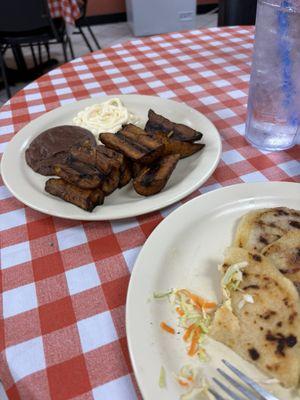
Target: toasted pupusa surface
(266, 332)
(285, 255)
(258, 229)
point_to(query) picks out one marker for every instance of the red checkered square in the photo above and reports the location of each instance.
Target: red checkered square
(18, 275)
(37, 381)
(68, 379)
(89, 302)
(111, 268)
(62, 345)
(104, 247)
(56, 315)
(40, 227)
(112, 357)
(76, 256)
(115, 291)
(50, 265)
(51, 289)
(22, 327)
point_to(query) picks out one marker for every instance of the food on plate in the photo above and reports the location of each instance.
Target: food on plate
(180, 132)
(52, 147)
(284, 253)
(90, 172)
(92, 156)
(108, 116)
(86, 199)
(141, 148)
(260, 316)
(82, 175)
(259, 228)
(152, 179)
(172, 146)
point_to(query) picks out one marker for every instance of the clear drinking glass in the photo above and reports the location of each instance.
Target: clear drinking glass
(273, 115)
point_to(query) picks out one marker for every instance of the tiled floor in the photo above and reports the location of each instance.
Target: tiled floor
(107, 35)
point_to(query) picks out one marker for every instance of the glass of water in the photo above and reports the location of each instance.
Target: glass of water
(273, 115)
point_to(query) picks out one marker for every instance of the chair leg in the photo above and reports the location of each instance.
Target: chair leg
(71, 48)
(4, 76)
(63, 43)
(33, 56)
(40, 53)
(94, 37)
(85, 38)
(47, 50)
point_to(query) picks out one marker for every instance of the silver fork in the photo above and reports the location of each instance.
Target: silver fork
(257, 392)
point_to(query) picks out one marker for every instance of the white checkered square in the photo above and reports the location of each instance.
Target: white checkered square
(120, 79)
(91, 85)
(12, 219)
(25, 358)
(194, 65)
(221, 83)
(7, 129)
(155, 84)
(128, 89)
(121, 389)
(18, 300)
(225, 113)
(182, 78)
(96, 331)
(232, 156)
(137, 66)
(254, 177)
(59, 81)
(82, 278)
(36, 109)
(15, 254)
(71, 237)
(105, 63)
(209, 100)
(144, 75)
(194, 88)
(170, 70)
(231, 68)
(4, 193)
(124, 225)
(236, 94)
(112, 71)
(168, 94)
(86, 76)
(129, 59)
(6, 114)
(33, 96)
(207, 74)
(218, 60)
(291, 168)
(130, 256)
(152, 55)
(63, 91)
(80, 67)
(161, 62)
(240, 128)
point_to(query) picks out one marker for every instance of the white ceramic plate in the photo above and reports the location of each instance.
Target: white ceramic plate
(190, 173)
(183, 252)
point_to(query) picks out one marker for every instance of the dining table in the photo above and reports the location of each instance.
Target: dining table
(69, 10)
(64, 282)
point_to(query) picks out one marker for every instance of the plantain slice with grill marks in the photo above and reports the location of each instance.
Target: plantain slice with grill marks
(152, 179)
(180, 132)
(82, 175)
(90, 155)
(86, 199)
(172, 146)
(139, 148)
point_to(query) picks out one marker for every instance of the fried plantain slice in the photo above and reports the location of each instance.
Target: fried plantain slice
(82, 175)
(172, 146)
(152, 179)
(86, 199)
(180, 132)
(136, 147)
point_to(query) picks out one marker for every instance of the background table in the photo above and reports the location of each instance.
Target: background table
(67, 9)
(64, 282)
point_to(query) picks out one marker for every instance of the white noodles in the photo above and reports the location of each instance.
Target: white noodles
(108, 116)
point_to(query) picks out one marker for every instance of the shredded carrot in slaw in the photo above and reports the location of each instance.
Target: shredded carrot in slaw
(194, 345)
(188, 332)
(167, 328)
(199, 301)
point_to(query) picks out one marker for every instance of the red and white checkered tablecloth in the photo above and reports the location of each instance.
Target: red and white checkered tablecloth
(67, 9)
(64, 282)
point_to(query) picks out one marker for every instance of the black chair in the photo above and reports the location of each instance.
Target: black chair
(237, 12)
(29, 23)
(83, 22)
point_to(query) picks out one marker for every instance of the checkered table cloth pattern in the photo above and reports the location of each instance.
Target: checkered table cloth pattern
(64, 282)
(67, 9)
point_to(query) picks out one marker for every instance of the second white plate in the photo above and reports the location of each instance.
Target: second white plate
(28, 186)
(183, 252)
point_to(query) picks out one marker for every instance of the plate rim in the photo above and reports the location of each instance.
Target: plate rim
(119, 215)
(138, 262)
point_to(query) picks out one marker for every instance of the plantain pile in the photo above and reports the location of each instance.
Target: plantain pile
(148, 157)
